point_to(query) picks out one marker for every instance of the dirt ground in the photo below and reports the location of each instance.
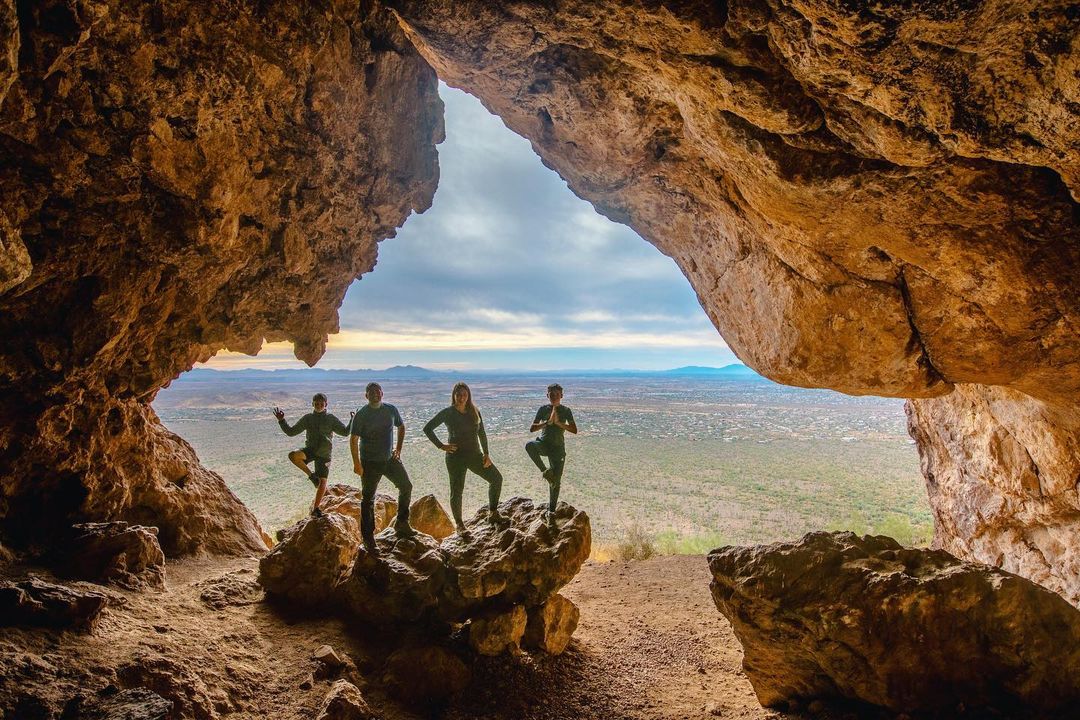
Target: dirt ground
(650, 645)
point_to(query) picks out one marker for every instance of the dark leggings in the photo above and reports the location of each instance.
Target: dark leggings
(457, 465)
(557, 458)
(373, 472)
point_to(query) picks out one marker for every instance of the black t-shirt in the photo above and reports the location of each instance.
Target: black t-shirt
(465, 429)
(554, 436)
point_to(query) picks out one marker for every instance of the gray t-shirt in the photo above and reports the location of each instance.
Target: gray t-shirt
(375, 428)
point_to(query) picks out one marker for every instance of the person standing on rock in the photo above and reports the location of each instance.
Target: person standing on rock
(466, 449)
(374, 455)
(553, 421)
(320, 426)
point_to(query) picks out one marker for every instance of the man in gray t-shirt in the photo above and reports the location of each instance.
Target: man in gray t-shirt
(375, 454)
(553, 420)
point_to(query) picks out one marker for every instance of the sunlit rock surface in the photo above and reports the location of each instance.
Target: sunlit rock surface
(871, 198)
(1003, 470)
(185, 177)
(836, 616)
(488, 570)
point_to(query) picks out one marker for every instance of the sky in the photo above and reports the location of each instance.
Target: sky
(510, 270)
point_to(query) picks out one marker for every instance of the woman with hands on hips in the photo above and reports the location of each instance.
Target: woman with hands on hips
(466, 449)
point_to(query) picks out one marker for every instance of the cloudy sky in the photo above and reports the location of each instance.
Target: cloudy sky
(509, 269)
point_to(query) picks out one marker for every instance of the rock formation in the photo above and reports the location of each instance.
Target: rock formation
(871, 198)
(345, 702)
(486, 572)
(184, 178)
(839, 616)
(551, 625)
(127, 555)
(36, 602)
(427, 675)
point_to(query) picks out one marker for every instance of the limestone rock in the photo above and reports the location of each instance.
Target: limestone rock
(345, 702)
(551, 625)
(523, 563)
(313, 558)
(345, 500)
(36, 602)
(428, 516)
(428, 675)
(839, 616)
(1001, 472)
(402, 584)
(128, 555)
(181, 193)
(497, 631)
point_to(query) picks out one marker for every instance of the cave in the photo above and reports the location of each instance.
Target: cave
(877, 199)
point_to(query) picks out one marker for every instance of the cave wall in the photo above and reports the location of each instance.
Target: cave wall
(177, 178)
(875, 199)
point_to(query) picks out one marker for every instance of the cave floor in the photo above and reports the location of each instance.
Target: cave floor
(650, 645)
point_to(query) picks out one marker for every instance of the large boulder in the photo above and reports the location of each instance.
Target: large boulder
(116, 552)
(401, 584)
(523, 563)
(487, 569)
(313, 557)
(838, 616)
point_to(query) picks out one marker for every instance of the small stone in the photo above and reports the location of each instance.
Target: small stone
(344, 702)
(308, 682)
(328, 657)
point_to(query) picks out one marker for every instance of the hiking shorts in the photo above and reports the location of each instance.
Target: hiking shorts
(322, 465)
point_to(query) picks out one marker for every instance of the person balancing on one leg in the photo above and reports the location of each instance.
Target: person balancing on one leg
(320, 426)
(553, 420)
(374, 456)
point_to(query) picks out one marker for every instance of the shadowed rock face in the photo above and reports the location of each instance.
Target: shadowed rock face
(871, 199)
(186, 178)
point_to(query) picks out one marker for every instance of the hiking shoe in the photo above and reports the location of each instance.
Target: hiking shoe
(370, 546)
(548, 475)
(551, 519)
(316, 513)
(404, 530)
(497, 518)
(461, 529)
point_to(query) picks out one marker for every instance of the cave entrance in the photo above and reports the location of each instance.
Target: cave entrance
(509, 282)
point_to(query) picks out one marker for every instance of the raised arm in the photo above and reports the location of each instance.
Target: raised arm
(293, 430)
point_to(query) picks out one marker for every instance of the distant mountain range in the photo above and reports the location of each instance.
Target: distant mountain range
(733, 371)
